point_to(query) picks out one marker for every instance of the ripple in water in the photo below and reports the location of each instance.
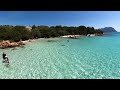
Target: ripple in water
(87, 58)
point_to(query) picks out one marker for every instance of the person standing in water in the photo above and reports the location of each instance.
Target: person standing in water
(6, 60)
(68, 40)
(3, 55)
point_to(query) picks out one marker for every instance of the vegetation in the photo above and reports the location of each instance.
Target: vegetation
(16, 33)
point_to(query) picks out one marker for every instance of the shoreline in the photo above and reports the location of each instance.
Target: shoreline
(67, 36)
(73, 36)
(7, 44)
(30, 40)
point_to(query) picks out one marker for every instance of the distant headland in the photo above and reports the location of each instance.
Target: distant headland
(108, 29)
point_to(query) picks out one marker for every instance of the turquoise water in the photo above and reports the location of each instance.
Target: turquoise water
(84, 58)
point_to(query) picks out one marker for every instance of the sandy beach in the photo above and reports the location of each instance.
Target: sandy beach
(67, 36)
(26, 41)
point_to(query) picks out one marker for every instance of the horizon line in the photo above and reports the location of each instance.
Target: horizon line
(55, 25)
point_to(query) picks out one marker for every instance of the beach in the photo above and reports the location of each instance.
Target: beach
(67, 36)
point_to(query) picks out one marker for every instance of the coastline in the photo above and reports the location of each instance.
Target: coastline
(67, 36)
(30, 40)
(73, 36)
(7, 44)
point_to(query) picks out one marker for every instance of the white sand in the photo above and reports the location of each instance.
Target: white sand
(67, 36)
(26, 41)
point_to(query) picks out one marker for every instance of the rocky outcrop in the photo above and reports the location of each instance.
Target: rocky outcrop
(71, 36)
(8, 44)
(90, 34)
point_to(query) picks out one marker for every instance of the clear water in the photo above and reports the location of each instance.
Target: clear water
(85, 58)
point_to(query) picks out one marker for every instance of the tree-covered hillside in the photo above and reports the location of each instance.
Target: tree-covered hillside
(16, 33)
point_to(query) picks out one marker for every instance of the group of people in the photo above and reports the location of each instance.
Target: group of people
(5, 58)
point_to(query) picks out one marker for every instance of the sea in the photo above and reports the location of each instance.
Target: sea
(95, 57)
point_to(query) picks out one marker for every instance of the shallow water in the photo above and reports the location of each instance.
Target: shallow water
(86, 57)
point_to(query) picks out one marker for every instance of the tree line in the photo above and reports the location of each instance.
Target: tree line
(16, 33)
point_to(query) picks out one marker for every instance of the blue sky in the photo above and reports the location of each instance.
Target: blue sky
(97, 19)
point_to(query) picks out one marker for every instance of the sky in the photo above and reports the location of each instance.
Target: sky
(97, 19)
